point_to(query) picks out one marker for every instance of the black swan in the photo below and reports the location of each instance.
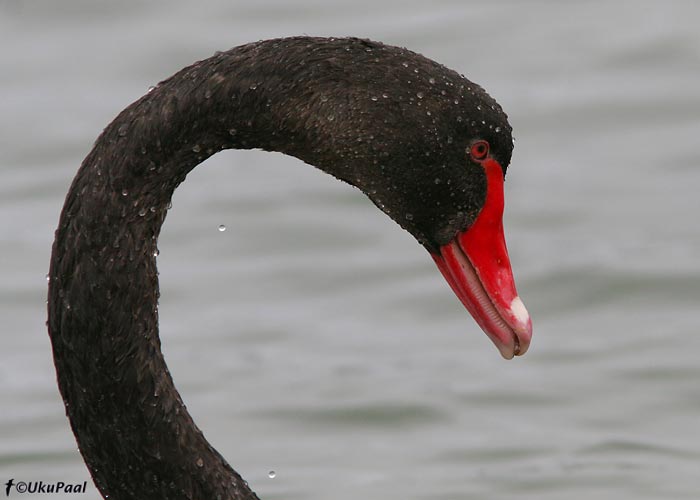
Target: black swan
(426, 145)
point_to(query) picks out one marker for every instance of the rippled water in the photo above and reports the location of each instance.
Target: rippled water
(313, 337)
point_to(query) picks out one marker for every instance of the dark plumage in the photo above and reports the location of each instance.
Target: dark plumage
(385, 119)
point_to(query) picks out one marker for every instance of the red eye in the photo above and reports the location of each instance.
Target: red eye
(479, 150)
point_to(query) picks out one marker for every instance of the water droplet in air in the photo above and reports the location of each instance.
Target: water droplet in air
(409, 216)
(151, 88)
(272, 474)
(142, 212)
(125, 192)
(200, 462)
(156, 252)
(437, 180)
(374, 98)
(232, 131)
(253, 87)
(385, 96)
(207, 94)
(404, 64)
(122, 130)
(478, 107)
(419, 95)
(48, 278)
(431, 80)
(497, 129)
(222, 228)
(196, 148)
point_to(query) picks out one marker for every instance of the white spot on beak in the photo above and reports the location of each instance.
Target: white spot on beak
(519, 311)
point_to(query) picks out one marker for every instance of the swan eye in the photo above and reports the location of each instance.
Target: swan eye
(479, 150)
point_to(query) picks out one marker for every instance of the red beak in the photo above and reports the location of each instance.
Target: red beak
(476, 265)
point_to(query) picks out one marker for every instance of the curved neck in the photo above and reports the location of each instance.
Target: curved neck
(133, 430)
(375, 116)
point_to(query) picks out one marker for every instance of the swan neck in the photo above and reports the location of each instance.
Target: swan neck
(132, 428)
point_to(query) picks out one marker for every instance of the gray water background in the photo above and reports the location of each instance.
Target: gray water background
(314, 337)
